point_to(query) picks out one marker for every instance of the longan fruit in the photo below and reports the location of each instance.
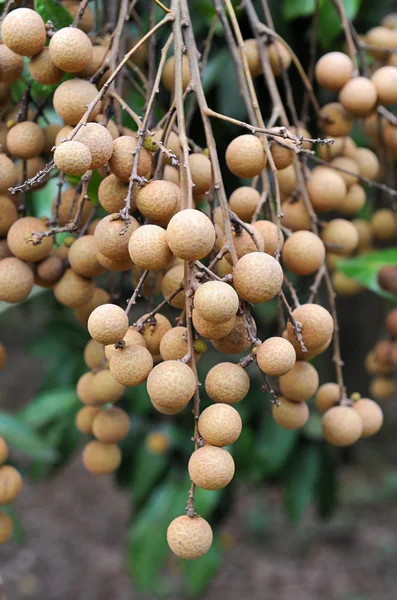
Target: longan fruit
(25, 140)
(174, 346)
(108, 324)
(3, 356)
(358, 96)
(99, 297)
(63, 133)
(112, 194)
(5, 252)
(73, 158)
(336, 121)
(209, 330)
(227, 383)
(153, 333)
(100, 57)
(189, 537)
(148, 248)
(244, 201)
(342, 234)
(169, 73)
(375, 367)
(101, 459)
(112, 236)
(73, 290)
(367, 161)
(111, 426)
(286, 179)
(328, 395)
(279, 57)
(384, 225)
(17, 237)
(50, 270)
(8, 173)
(211, 467)
(6, 528)
(171, 174)
(11, 65)
(236, 341)
(16, 280)
(295, 215)
(381, 36)
(342, 146)
(131, 338)
(10, 484)
(170, 282)
(283, 157)
(371, 416)
(354, 200)
(268, 231)
(216, 301)
(8, 215)
(23, 31)
(42, 68)
(344, 285)
(105, 388)
(33, 166)
(245, 156)
(170, 385)
(3, 451)
(300, 383)
(122, 159)
(82, 257)
(276, 356)
(365, 233)
(385, 82)
(317, 325)
(253, 57)
(171, 144)
(201, 171)
(245, 243)
(290, 415)
(99, 142)
(327, 189)
(302, 131)
(390, 138)
(71, 99)
(342, 426)
(257, 277)
(382, 388)
(70, 49)
(94, 355)
(157, 442)
(220, 425)
(85, 418)
(190, 234)
(303, 253)
(333, 70)
(391, 322)
(389, 21)
(158, 200)
(349, 164)
(84, 388)
(131, 365)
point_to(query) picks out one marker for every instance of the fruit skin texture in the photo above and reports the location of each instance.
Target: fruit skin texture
(327, 189)
(344, 162)
(276, 51)
(112, 236)
(85, 418)
(337, 122)
(227, 382)
(158, 200)
(303, 253)
(94, 355)
(358, 96)
(122, 158)
(99, 142)
(236, 341)
(257, 277)
(343, 234)
(383, 223)
(83, 312)
(268, 231)
(70, 100)
(220, 425)
(367, 161)
(23, 31)
(23, 249)
(333, 70)
(87, 19)
(385, 82)
(70, 49)
(173, 345)
(104, 389)
(276, 356)
(111, 426)
(171, 282)
(253, 56)
(210, 330)
(295, 216)
(72, 290)
(8, 215)
(11, 65)
(153, 333)
(201, 171)
(371, 416)
(101, 459)
(244, 201)
(245, 244)
(342, 426)
(328, 395)
(354, 201)
(216, 301)
(189, 537)
(3, 451)
(131, 365)
(73, 158)
(131, 338)
(317, 325)
(391, 322)
(108, 324)
(300, 383)
(82, 257)
(16, 280)
(8, 173)
(290, 415)
(211, 468)
(344, 285)
(43, 69)
(169, 70)
(245, 156)
(190, 234)
(148, 248)
(170, 386)
(6, 528)
(25, 140)
(10, 484)
(112, 193)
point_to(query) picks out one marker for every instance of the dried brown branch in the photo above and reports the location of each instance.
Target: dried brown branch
(137, 291)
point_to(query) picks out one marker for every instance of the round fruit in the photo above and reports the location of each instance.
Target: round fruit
(342, 235)
(18, 235)
(84, 388)
(253, 57)
(153, 333)
(100, 58)
(10, 484)
(290, 415)
(227, 382)
(385, 82)
(279, 57)
(71, 99)
(210, 330)
(169, 73)
(3, 451)
(327, 189)
(245, 242)
(83, 312)
(367, 162)
(328, 395)
(382, 388)
(105, 388)
(354, 201)
(70, 49)
(381, 36)
(317, 325)
(174, 346)
(245, 156)
(23, 31)
(8, 215)
(148, 248)
(201, 172)
(236, 341)
(333, 70)
(42, 68)
(94, 355)
(190, 234)
(287, 179)
(123, 155)
(257, 277)
(112, 194)
(170, 385)
(72, 290)
(244, 201)
(342, 426)
(295, 215)
(384, 225)
(3, 356)
(131, 365)
(371, 416)
(303, 253)
(157, 442)
(300, 383)
(364, 230)
(101, 459)
(268, 231)
(170, 282)
(16, 280)
(342, 146)
(211, 468)
(108, 324)
(82, 257)
(171, 144)
(112, 236)
(344, 285)
(25, 140)
(283, 157)
(68, 208)
(216, 301)
(391, 322)
(348, 164)
(50, 270)
(158, 200)
(73, 158)
(189, 537)
(8, 173)
(6, 528)
(375, 367)
(358, 96)
(86, 21)
(111, 426)
(220, 425)
(11, 65)
(336, 122)
(276, 356)
(85, 418)
(131, 338)
(98, 141)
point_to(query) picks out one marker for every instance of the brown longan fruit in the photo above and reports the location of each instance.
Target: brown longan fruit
(211, 467)
(5, 252)
(101, 459)
(216, 301)
(189, 537)
(245, 243)
(381, 36)
(16, 280)
(342, 234)
(300, 383)
(245, 156)
(290, 415)
(8, 215)
(73, 158)
(23, 31)
(131, 338)
(158, 200)
(391, 322)
(157, 442)
(171, 174)
(317, 325)
(100, 57)
(253, 56)
(11, 65)
(99, 297)
(112, 264)
(303, 253)
(72, 290)
(383, 223)
(295, 215)
(344, 285)
(283, 157)
(68, 208)
(86, 21)
(371, 416)
(111, 426)
(342, 426)
(112, 236)
(286, 179)
(105, 388)
(122, 159)
(390, 138)
(209, 330)
(349, 164)
(85, 418)
(10, 484)
(153, 333)
(174, 346)
(42, 68)
(201, 171)
(227, 382)
(112, 194)
(220, 425)
(71, 98)
(25, 140)
(190, 234)
(108, 324)
(365, 233)
(171, 282)
(354, 200)
(82, 257)
(170, 385)
(33, 166)
(358, 96)
(336, 122)
(70, 49)
(236, 341)
(131, 365)
(328, 395)
(62, 134)
(389, 21)
(3, 451)
(382, 388)
(94, 355)
(333, 70)
(17, 237)
(327, 189)
(148, 248)
(244, 201)
(268, 231)
(276, 356)
(169, 73)
(99, 142)
(257, 277)
(375, 367)
(368, 162)
(50, 270)
(342, 146)
(171, 144)
(3, 356)
(84, 389)
(6, 528)
(279, 57)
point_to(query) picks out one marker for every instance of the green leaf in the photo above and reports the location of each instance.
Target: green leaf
(302, 480)
(327, 492)
(329, 23)
(50, 10)
(49, 405)
(298, 8)
(198, 573)
(272, 448)
(148, 468)
(365, 268)
(19, 435)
